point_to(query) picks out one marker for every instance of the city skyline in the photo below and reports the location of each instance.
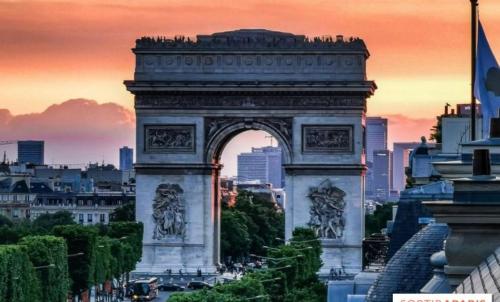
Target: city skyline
(106, 139)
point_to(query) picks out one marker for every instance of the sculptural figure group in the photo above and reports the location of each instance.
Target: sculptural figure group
(168, 212)
(327, 210)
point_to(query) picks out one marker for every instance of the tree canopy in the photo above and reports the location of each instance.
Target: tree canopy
(45, 222)
(50, 254)
(18, 281)
(291, 277)
(375, 222)
(124, 213)
(252, 223)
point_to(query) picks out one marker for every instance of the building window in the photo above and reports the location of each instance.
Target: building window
(89, 217)
(15, 213)
(102, 218)
(80, 218)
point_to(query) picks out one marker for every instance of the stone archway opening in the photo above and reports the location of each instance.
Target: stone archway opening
(252, 196)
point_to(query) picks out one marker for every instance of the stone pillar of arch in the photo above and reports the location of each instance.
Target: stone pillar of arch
(192, 97)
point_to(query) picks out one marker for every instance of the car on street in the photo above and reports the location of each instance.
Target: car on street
(199, 285)
(171, 287)
(145, 289)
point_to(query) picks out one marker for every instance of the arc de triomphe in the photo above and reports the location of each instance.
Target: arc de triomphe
(192, 97)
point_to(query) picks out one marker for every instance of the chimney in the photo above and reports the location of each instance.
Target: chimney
(446, 109)
(481, 162)
(495, 127)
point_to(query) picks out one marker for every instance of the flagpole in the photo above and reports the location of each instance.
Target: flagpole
(473, 20)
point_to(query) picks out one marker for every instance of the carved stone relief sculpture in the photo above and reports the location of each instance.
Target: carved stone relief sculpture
(327, 210)
(327, 139)
(169, 138)
(168, 212)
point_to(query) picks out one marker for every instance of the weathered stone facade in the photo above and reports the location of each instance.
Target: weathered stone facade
(192, 97)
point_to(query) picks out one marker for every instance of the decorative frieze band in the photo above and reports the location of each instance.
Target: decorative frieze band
(201, 101)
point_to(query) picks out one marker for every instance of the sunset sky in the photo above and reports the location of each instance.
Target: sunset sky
(53, 51)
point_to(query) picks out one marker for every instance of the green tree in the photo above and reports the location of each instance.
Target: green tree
(18, 281)
(315, 292)
(375, 222)
(436, 130)
(117, 259)
(12, 234)
(235, 240)
(44, 251)
(82, 244)
(303, 256)
(44, 223)
(291, 277)
(129, 233)
(5, 221)
(274, 282)
(124, 213)
(103, 264)
(264, 223)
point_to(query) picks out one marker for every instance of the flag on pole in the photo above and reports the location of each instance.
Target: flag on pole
(487, 84)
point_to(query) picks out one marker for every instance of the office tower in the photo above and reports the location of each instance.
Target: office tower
(31, 152)
(126, 158)
(382, 169)
(376, 136)
(263, 164)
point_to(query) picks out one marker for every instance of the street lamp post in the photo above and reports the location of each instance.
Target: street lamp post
(45, 266)
(76, 255)
(276, 259)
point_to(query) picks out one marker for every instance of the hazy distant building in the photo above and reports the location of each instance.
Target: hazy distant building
(126, 158)
(263, 164)
(30, 152)
(63, 178)
(15, 197)
(376, 135)
(382, 173)
(86, 208)
(400, 160)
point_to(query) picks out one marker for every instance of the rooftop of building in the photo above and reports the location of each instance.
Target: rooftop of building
(410, 268)
(11, 185)
(485, 278)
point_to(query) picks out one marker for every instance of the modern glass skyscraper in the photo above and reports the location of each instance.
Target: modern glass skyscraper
(126, 158)
(31, 152)
(263, 164)
(376, 135)
(382, 174)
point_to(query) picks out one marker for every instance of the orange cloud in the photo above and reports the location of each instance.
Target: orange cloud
(407, 129)
(75, 131)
